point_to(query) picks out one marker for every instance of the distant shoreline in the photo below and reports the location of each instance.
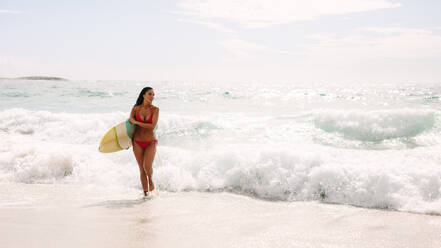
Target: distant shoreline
(40, 78)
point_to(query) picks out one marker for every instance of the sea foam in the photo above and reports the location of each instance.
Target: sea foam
(379, 158)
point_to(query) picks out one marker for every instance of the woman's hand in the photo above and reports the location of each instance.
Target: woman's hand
(133, 121)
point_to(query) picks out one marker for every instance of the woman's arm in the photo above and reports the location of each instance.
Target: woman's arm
(154, 120)
(132, 115)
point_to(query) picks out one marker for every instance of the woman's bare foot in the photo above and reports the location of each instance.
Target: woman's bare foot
(151, 186)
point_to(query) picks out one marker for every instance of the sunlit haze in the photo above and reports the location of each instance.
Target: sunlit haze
(223, 40)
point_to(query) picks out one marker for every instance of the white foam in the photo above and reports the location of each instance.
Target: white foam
(247, 155)
(394, 179)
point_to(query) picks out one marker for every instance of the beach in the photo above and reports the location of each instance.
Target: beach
(275, 124)
(72, 216)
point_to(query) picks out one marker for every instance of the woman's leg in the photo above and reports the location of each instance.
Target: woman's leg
(139, 155)
(149, 156)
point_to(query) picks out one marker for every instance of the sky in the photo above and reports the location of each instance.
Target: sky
(357, 41)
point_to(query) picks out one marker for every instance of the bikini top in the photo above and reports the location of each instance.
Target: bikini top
(149, 120)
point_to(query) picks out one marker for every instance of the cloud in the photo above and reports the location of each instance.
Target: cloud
(393, 30)
(8, 11)
(241, 49)
(264, 13)
(375, 43)
(211, 25)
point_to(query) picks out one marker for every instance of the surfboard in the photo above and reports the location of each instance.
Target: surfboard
(118, 137)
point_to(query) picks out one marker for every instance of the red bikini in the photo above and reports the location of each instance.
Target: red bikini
(145, 144)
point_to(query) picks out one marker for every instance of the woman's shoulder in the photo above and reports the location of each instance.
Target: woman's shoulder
(155, 108)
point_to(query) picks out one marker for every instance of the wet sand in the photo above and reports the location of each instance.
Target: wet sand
(77, 216)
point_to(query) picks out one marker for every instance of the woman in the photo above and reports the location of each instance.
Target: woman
(145, 116)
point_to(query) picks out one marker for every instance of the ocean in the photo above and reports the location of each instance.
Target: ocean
(366, 145)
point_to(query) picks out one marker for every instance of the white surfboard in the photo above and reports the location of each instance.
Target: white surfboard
(118, 137)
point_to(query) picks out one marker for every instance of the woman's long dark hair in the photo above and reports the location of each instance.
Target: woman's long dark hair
(141, 95)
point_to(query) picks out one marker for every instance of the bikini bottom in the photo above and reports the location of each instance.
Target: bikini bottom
(145, 144)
